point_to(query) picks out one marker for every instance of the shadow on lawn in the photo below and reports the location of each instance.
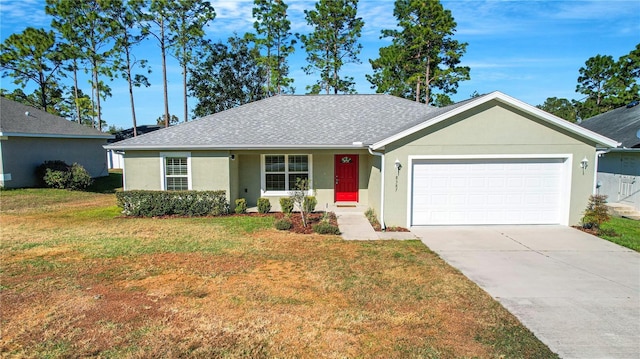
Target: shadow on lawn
(108, 184)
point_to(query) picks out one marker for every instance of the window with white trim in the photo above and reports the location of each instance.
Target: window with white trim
(281, 172)
(176, 174)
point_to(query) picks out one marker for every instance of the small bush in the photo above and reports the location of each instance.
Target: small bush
(283, 224)
(264, 205)
(241, 206)
(596, 212)
(80, 178)
(286, 204)
(326, 228)
(58, 174)
(309, 204)
(167, 203)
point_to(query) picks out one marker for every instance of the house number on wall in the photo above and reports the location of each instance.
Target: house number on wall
(346, 159)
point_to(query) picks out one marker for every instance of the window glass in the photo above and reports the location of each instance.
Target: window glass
(274, 163)
(299, 163)
(282, 171)
(176, 174)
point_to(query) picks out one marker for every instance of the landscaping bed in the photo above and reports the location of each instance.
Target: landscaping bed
(313, 218)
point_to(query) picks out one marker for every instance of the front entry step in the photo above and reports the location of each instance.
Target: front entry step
(623, 210)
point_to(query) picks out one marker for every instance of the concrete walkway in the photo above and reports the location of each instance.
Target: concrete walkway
(355, 226)
(577, 293)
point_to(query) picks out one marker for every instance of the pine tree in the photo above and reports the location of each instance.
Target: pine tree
(423, 54)
(332, 44)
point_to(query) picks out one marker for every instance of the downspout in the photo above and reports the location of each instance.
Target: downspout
(595, 169)
(381, 155)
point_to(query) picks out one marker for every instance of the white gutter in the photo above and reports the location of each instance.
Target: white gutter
(381, 155)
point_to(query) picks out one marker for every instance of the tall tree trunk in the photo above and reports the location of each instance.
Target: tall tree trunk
(130, 81)
(427, 82)
(97, 85)
(43, 93)
(164, 73)
(418, 90)
(184, 90)
(75, 89)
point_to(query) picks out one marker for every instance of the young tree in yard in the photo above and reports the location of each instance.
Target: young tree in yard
(84, 26)
(126, 18)
(332, 44)
(33, 56)
(422, 56)
(186, 34)
(272, 39)
(228, 77)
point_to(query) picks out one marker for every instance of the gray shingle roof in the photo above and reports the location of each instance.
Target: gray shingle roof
(294, 121)
(15, 121)
(621, 124)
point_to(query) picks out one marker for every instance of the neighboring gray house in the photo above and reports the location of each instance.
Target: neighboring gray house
(619, 168)
(487, 160)
(29, 136)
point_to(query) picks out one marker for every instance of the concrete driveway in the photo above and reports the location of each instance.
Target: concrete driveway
(577, 293)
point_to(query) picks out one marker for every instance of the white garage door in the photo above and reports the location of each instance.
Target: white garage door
(487, 191)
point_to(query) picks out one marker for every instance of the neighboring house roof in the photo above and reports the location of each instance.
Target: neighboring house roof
(621, 124)
(320, 121)
(17, 119)
(140, 130)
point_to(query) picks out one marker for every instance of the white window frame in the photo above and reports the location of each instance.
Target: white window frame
(163, 164)
(263, 174)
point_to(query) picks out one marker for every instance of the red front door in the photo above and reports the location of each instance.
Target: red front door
(346, 178)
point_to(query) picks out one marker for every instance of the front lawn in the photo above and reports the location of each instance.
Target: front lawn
(77, 280)
(627, 232)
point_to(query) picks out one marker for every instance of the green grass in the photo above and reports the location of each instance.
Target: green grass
(80, 280)
(627, 232)
(108, 184)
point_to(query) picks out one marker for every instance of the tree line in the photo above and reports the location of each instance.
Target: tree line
(606, 85)
(102, 38)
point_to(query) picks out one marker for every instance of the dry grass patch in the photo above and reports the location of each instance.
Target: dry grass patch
(77, 281)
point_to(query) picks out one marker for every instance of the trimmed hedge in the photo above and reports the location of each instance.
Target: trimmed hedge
(283, 224)
(241, 206)
(264, 205)
(326, 228)
(167, 203)
(286, 205)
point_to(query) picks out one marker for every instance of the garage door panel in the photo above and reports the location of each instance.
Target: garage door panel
(494, 191)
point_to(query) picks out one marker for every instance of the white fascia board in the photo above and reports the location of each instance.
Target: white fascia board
(499, 96)
(53, 135)
(235, 147)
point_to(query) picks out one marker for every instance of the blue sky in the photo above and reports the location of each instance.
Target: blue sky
(529, 49)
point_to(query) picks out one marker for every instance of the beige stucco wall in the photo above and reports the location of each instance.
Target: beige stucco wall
(241, 177)
(210, 170)
(249, 180)
(21, 156)
(490, 129)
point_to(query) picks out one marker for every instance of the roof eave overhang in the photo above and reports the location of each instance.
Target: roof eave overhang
(55, 135)
(601, 141)
(234, 147)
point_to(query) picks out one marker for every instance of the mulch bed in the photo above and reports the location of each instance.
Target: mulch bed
(313, 218)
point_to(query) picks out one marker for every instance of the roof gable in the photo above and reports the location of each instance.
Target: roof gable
(621, 124)
(461, 107)
(17, 119)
